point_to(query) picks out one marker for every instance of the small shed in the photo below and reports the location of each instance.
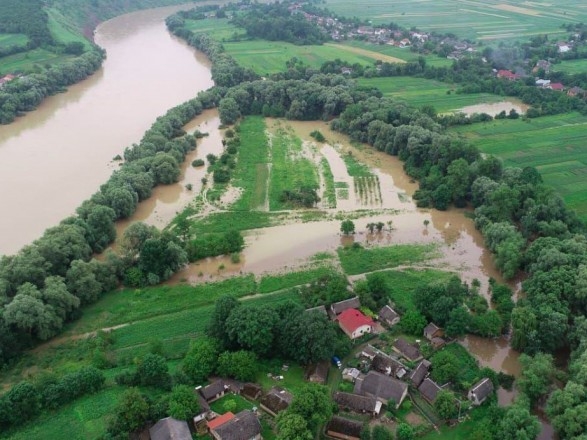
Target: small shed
(244, 425)
(417, 376)
(214, 391)
(407, 350)
(480, 391)
(388, 316)
(368, 352)
(357, 403)
(318, 309)
(318, 373)
(339, 307)
(429, 390)
(251, 391)
(432, 331)
(350, 374)
(345, 429)
(386, 365)
(276, 400)
(170, 429)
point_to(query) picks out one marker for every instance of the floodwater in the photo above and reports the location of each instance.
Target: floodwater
(495, 108)
(55, 157)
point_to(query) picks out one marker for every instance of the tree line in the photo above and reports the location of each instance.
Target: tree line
(26, 17)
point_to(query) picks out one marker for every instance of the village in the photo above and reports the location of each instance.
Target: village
(382, 376)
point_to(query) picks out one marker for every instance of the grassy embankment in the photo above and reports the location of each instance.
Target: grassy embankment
(266, 57)
(571, 66)
(421, 91)
(552, 144)
(515, 19)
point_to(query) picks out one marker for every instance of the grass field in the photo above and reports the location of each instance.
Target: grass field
(397, 52)
(488, 20)
(362, 260)
(32, 60)
(552, 144)
(63, 31)
(421, 91)
(13, 39)
(571, 66)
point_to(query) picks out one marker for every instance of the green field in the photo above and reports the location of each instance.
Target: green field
(487, 20)
(31, 61)
(571, 66)
(555, 145)
(397, 52)
(421, 91)
(63, 31)
(13, 39)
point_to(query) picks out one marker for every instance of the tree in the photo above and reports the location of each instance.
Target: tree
(380, 432)
(292, 427)
(55, 294)
(537, 374)
(23, 403)
(82, 282)
(347, 227)
(518, 424)
(229, 111)
(458, 322)
(132, 412)
(242, 365)
(29, 314)
(183, 403)
(313, 403)
(307, 338)
(153, 371)
(217, 329)
(413, 323)
(201, 360)
(252, 328)
(446, 367)
(445, 404)
(404, 432)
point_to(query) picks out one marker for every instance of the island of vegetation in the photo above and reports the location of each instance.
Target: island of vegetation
(363, 341)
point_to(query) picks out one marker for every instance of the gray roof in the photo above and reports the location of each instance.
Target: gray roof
(251, 391)
(387, 314)
(407, 350)
(429, 389)
(483, 388)
(210, 391)
(170, 429)
(430, 329)
(351, 428)
(318, 372)
(384, 364)
(355, 402)
(341, 306)
(319, 309)
(381, 387)
(243, 426)
(418, 375)
(276, 400)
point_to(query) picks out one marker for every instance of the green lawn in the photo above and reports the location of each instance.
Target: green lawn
(13, 39)
(552, 144)
(272, 283)
(489, 20)
(31, 61)
(421, 91)
(357, 260)
(403, 283)
(571, 66)
(397, 52)
(63, 31)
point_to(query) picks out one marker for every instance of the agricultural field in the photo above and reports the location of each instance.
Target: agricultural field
(31, 61)
(552, 144)
(570, 66)
(63, 31)
(397, 52)
(7, 40)
(491, 20)
(421, 91)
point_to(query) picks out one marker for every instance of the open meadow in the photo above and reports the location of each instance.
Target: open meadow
(570, 66)
(421, 91)
(485, 21)
(7, 40)
(555, 145)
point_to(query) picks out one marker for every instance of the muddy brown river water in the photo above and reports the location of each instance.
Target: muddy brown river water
(55, 157)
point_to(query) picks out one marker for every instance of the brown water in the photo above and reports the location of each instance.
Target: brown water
(496, 108)
(58, 155)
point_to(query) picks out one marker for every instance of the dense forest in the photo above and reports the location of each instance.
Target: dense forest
(26, 17)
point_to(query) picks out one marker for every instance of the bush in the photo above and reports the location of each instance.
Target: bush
(198, 163)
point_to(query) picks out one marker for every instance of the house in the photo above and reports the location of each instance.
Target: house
(170, 429)
(480, 391)
(506, 74)
(429, 390)
(386, 365)
(542, 82)
(404, 43)
(563, 47)
(276, 400)
(318, 373)
(357, 403)
(339, 307)
(319, 309)
(541, 64)
(437, 343)
(388, 316)
(354, 323)
(368, 352)
(432, 331)
(220, 420)
(251, 391)
(345, 429)
(365, 30)
(418, 375)
(407, 350)
(382, 387)
(204, 408)
(214, 391)
(244, 425)
(556, 86)
(576, 91)
(350, 374)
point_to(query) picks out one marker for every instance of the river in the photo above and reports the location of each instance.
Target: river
(55, 157)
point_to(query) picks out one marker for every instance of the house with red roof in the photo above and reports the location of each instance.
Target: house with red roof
(556, 86)
(220, 420)
(507, 74)
(354, 323)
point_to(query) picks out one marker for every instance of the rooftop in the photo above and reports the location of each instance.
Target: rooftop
(352, 319)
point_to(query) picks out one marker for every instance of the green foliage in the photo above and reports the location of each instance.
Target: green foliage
(211, 245)
(404, 432)
(131, 413)
(201, 359)
(347, 227)
(455, 364)
(446, 404)
(537, 375)
(292, 427)
(518, 423)
(241, 365)
(313, 404)
(316, 134)
(325, 290)
(356, 260)
(272, 283)
(153, 371)
(183, 403)
(413, 323)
